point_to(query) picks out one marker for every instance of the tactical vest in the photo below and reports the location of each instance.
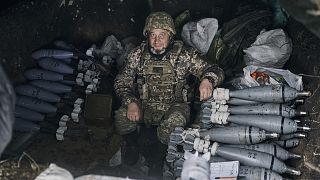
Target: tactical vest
(158, 85)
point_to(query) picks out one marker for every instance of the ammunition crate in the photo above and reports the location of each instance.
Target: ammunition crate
(98, 110)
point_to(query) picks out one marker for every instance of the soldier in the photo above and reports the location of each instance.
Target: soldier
(152, 83)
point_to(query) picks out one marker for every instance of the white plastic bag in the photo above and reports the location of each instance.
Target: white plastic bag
(54, 172)
(271, 49)
(195, 166)
(100, 177)
(200, 34)
(291, 79)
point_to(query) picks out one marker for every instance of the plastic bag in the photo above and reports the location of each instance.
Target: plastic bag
(110, 50)
(54, 172)
(100, 177)
(195, 166)
(200, 34)
(112, 46)
(271, 49)
(275, 76)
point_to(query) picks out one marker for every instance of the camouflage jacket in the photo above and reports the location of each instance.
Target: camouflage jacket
(184, 60)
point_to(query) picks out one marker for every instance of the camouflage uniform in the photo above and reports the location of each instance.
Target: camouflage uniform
(158, 85)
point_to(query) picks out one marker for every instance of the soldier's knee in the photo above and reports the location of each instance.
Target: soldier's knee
(120, 115)
(122, 124)
(179, 110)
(176, 119)
(163, 135)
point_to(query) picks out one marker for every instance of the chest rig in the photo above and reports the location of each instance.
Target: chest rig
(158, 84)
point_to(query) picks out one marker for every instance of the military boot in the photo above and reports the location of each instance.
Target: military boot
(157, 162)
(131, 151)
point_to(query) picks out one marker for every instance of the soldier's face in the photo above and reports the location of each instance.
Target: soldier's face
(159, 39)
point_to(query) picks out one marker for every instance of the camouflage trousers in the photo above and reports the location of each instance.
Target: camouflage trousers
(178, 114)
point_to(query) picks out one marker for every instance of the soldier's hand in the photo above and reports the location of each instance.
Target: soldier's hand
(133, 113)
(205, 89)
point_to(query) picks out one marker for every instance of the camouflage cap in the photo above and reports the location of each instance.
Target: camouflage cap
(159, 20)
